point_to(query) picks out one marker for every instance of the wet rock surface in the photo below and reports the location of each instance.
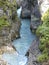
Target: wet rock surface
(35, 22)
(35, 16)
(34, 52)
(15, 29)
(26, 13)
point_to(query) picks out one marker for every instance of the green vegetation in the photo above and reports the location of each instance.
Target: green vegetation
(3, 22)
(43, 32)
(9, 12)
(42, 58)
(7, 3)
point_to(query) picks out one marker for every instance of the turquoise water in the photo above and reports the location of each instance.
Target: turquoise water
(22, 44)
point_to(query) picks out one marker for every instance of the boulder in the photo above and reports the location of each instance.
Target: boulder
(25, 13)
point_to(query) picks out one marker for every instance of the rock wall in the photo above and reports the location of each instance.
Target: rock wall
(9, 31)
(35, 16)
(33, 52)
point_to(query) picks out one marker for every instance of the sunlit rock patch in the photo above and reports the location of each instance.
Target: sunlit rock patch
(44, 5)
(7, 49)
(2, 62)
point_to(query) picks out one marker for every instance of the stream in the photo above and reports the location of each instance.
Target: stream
(22, 44)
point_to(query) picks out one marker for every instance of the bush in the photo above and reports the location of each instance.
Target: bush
(43, 32)
(9, 12)
(42, 58)
(41, 47)
(3, 22)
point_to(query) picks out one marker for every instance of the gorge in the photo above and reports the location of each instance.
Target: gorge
(19, 40)
(22, 44)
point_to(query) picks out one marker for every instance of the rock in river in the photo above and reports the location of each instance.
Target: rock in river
(34, 52)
